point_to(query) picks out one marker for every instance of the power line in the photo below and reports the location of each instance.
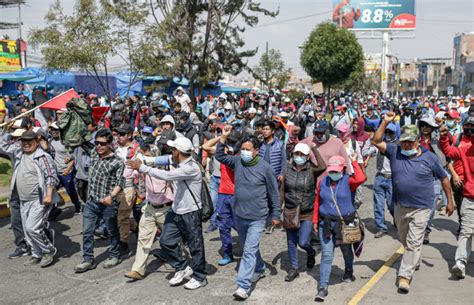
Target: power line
(291, 19)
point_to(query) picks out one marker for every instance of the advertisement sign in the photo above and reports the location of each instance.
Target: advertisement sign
(9, 56)
(375, 14)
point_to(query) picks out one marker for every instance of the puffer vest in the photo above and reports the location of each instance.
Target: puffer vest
(300, 189)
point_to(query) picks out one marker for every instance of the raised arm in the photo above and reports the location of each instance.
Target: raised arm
(377, 140)
(321, 168)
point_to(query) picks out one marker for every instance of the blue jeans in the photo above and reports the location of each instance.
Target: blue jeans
(328, 244)
(382, 194)
(92, 212)
(250, 232)
(226, 221)
(299, 237)
(213, 190)
(67, 181)
(437, 193)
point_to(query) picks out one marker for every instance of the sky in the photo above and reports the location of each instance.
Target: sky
(437, 23)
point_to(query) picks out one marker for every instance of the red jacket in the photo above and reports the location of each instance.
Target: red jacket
(466, 155)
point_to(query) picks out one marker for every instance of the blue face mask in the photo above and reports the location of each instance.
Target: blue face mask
(246, 156)
(335, 176)
(300, 160)
(450, 124)
(409, 153)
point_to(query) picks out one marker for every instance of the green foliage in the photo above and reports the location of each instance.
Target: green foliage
(295, 94)
(201, 39)
(271, 70)
(5, 172)
(331, 54)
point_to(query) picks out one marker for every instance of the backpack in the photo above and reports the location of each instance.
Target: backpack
(207, 208)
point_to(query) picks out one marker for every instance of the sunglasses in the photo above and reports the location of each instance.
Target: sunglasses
(98, 143)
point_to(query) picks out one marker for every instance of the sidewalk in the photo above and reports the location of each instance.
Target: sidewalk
(433, 283)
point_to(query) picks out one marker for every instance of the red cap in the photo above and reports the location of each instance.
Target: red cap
(336, 164)
(453, 114)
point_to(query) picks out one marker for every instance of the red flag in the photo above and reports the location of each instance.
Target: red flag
(98, 113)
(59, 102)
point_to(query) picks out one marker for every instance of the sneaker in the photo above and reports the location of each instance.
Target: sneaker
(348, 276)
(179, 276)
(111, 262)
(134, 275)
(311, 261)
(48, 258)
(194, 284)
(19, 252)
(257, 276)
(212, 227)
(459, 270)
(292, 274)
(32, 261)
(426, 239)
(269, 229)
(380, 233)
(51, 235)
(240, 294)
(225, 260)
(442, 213)
(403, 284)
(84, 266)
(322, 294)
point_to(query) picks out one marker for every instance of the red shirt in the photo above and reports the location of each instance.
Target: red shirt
(227, 181)
(457, 164)
(354, 182)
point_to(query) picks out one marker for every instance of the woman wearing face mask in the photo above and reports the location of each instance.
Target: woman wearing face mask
(297, 190)
(335, 189)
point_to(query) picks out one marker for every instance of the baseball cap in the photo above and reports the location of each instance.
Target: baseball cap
(320, 126)
(430, 121)
(182, 144)
(147, 129)
(167, 135)
(124, 128)
(468, 120)
(409, 133)
(28, 135)
(453, 114)
(283, 114)
(302, 148)
(391, 126)
(252, 110)
(336, 164)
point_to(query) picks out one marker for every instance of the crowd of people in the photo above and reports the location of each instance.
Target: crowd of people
(268, 160)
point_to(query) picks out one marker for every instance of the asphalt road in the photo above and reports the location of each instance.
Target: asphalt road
(58, 284)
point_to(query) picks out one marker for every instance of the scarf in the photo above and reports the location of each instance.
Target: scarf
(253, 162)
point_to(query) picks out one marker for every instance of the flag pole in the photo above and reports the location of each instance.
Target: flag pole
(33, 109)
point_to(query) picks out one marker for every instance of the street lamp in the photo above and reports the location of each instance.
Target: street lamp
(397, 73)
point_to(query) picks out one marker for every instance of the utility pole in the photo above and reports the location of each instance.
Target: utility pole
(267, 63)
(385, 39)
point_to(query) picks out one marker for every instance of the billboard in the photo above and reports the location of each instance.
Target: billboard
(9, 56)
(375, 14)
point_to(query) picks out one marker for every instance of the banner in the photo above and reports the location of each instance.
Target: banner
(9, 56)
(375, 14)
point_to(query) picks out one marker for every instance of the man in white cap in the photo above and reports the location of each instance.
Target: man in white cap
(183, 221)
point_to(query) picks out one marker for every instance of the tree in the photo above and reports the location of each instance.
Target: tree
(271, 70)
(82, 41)
(331, 54)
(199, 39)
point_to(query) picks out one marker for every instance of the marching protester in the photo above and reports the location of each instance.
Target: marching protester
(297, 190)
(105, 183)
(183, 221)
(256, 197)
(33, 186)
(333, 210)
(413, 198)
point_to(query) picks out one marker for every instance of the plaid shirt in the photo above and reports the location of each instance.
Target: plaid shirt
(104, 175)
